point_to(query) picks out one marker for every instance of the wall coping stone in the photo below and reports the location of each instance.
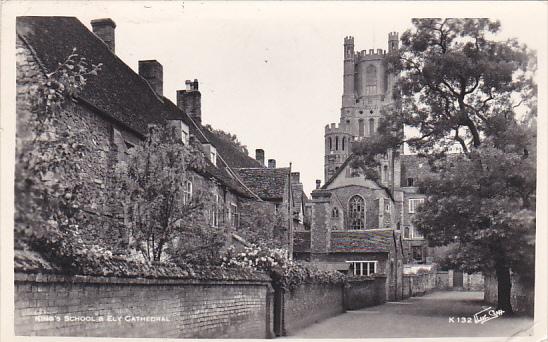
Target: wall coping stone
(55, 278)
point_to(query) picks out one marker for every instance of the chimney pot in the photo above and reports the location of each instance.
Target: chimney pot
(272, 163)
(189, 101)
(259, 156)
(318, 183)
(104, 29)
(152, 71)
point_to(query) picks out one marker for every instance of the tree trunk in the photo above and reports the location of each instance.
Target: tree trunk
(504, 288)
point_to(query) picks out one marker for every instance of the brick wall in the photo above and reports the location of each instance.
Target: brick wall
(310, 303)
(229, 309)
(522, 295)
(363, 293)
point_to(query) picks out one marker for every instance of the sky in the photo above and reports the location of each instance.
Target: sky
(271, 72)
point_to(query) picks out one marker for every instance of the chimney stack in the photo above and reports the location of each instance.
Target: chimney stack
(318, 184)
(259, 156)
(152, 71)
(189, 101)
(272, 163)
(295, 177)
(104, 29)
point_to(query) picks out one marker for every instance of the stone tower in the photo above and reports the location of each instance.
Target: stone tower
(367, 89)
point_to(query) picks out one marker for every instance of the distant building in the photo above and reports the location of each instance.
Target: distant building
(354, 221)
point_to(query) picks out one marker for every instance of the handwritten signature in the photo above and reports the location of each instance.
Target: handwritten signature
(486, 315)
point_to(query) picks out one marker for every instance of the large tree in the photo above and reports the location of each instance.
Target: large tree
(458, 85)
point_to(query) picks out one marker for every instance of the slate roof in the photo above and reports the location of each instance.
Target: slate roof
(371, 241)
(117, 90)
(269, 184)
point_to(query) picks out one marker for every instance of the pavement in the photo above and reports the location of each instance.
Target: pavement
(438, 314)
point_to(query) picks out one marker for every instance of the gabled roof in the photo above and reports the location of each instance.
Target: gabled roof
(117, 90)
(233, 156)
(338, 172)
(362, 241)
(343, 166)
(269, 184)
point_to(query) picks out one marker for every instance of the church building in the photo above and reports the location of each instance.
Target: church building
(358, 225)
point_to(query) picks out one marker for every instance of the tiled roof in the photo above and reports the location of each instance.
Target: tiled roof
(362, 241)
(233, 156)
(117, 90)
(269, 184)
(174, 113)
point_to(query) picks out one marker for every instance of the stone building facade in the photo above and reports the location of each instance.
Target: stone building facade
(113, 113)
(367, 95)
(354, 218)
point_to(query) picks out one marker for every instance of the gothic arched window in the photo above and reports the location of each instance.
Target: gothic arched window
(356, 211)
(361, 128)
(343, 142)
(335, 212)
(371, 80)
(336, 143)
(371, 127)
(330, 144)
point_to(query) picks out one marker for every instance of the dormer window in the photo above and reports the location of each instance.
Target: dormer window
(180, 130)
(210, 152)
(185, 134)
(213, 155)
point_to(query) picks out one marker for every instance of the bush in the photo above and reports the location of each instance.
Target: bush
(285, 273)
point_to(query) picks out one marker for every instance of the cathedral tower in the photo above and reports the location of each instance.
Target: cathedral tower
(367, 90)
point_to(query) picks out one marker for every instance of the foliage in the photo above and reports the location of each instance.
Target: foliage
(151, 186)
(228, 137)
(284, 272)
(486, 205)
(455, 82)
(262, 225)
(51, 198)
(458, 86)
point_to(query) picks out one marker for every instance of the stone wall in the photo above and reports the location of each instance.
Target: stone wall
(418, 284)
(522, 295)
(179, 308)
(444, 280)
(473, 282)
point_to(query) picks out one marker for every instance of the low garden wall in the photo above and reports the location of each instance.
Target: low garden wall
(309, 303)
(363, 293)
(418, 284)
(473, 282)
(53, 305)
(522, 295)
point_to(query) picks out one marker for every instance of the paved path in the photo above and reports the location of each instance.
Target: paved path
(426, 316)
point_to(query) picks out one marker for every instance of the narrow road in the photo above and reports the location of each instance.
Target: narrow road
(426, 316)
